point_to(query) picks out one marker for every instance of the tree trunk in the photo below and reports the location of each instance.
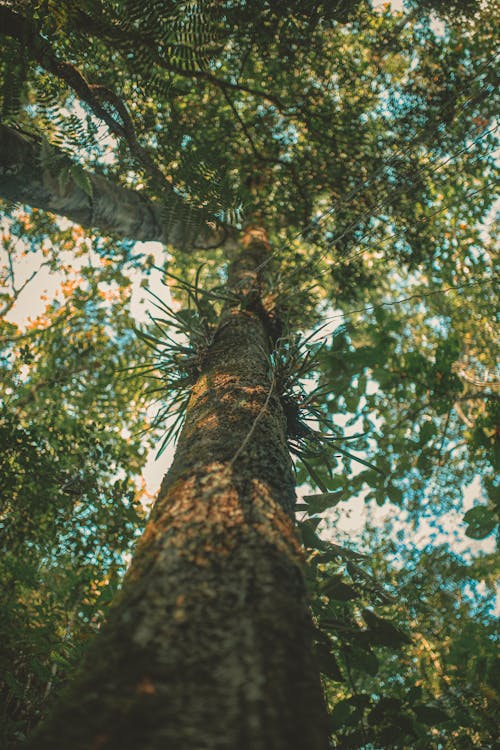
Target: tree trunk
(209, 645)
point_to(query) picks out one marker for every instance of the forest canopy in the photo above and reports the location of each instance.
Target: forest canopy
(360, 139)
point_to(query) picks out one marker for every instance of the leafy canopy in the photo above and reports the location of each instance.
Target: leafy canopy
(363, 139)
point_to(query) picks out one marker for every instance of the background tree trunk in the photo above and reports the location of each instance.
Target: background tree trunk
(209, 645)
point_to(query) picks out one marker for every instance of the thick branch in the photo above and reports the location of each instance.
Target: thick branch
(25, 177)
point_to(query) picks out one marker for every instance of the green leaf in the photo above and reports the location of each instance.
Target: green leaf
(429, 714)
(352, 402)
(383, 632)
(64, 177)
(341, 715)
(493, 491)
(82, 179)
(393, 733)
(362, 659)
(481, 521)
(425, 462)
(386, 707)
(317, 479)
(323, 501)
(327, 663)
(335, 588)
(309, 537)
(414, 693)
(13, 684)
(427, 431)
(371, 477)
(346, 713)
(395, 494)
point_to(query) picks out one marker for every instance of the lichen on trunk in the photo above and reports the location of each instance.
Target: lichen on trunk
(209, 644)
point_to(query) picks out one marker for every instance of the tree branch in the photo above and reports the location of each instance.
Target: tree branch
(25, 177)
(16, 291)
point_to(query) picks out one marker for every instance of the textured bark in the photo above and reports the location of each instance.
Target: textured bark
(209, 646)
(110, 208)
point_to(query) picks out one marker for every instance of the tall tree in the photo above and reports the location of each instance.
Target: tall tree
(329, 133)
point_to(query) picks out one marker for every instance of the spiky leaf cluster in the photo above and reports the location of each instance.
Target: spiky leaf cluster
(311, 432)
(179, 341)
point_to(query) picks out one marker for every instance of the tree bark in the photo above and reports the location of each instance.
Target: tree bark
(209, 645)
(25, 177)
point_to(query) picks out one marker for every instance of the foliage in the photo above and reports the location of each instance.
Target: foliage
(70, 502)
(438, 688)
(256, 89)
(421, 383)
(363, 140)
